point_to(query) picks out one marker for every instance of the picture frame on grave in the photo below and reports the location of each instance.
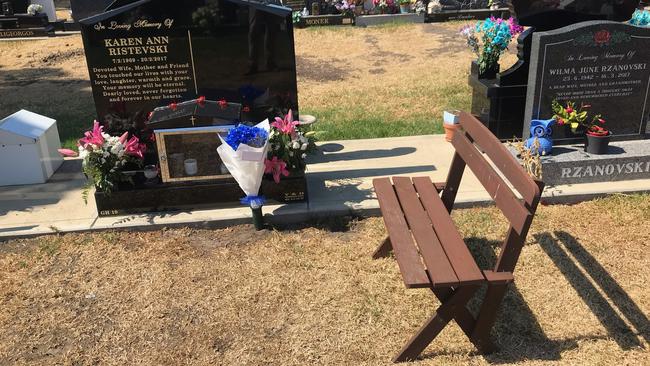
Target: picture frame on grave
(178, 146)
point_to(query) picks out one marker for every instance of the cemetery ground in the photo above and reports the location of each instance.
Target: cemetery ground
(312, 295)
(387, 81)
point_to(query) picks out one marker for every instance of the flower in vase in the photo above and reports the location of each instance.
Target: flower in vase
(286, 125)
(93, 137)
(276, 167)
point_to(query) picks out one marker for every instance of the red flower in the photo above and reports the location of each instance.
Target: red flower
(246, 109)
(173, 106)
(602, 121)
(201, 101)
(602, 37)
(569, 109)
(560, 121)
(223, 104)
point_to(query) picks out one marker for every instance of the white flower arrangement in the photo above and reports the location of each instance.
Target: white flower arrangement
(34, 9)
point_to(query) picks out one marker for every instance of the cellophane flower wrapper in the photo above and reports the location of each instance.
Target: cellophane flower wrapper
(246, 165)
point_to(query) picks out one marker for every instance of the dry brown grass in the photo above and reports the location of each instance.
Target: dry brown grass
(313, 295)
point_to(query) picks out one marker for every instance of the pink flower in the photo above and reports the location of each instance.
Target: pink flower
(276, 167)
(68, 152)
(201, 101)
(133, 147)
(124, 138)
(286, 125)
(93, 137)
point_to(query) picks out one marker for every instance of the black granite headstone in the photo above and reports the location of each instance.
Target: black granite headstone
(605, 64)
(82, 9)
(152, 53)
(19, 6)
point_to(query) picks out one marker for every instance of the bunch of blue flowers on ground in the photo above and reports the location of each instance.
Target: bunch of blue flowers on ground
(640, 18)
(497, 34)
(251, 136)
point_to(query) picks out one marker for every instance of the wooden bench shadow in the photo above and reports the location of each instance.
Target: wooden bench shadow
(561, 248)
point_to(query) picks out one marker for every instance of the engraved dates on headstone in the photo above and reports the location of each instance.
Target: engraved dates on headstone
(600, 63)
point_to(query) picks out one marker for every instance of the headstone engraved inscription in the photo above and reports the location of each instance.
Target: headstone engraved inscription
(151, 53)
(500, 103)
(605, 64)
(185, 72)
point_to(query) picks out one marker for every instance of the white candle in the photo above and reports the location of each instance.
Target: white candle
(191, 167)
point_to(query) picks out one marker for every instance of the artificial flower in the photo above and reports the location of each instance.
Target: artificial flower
(93, 137)
(286, 125)
(68, 152)
(276, 167)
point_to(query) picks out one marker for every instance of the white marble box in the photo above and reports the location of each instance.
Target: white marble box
(28, 149)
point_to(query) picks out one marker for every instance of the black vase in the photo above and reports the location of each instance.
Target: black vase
(597, 145)
(490, 73)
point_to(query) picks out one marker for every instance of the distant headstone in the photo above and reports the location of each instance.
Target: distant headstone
(605, 64)
(153, 53)
(48, 8)
(82, 9)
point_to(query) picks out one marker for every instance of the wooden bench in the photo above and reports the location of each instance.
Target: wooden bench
(430, 251)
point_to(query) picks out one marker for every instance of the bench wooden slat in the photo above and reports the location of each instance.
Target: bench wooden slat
(404, 249)
(500, 156)
(505, 199)
(435, 258)
(460, 257)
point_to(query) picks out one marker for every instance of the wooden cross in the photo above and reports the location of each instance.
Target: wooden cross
(193, 119)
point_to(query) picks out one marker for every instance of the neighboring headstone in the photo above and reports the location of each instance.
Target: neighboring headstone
(82, 9)
(152, 53)
(605, 64)
(48, 8)
(28, 149)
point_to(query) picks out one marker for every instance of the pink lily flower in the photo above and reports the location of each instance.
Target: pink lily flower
(134, 148)
(93, 137)
(68, 152)
(286, 125)
(277, 167)
(124, 138)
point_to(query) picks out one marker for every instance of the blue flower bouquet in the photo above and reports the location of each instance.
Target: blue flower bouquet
(243, 152)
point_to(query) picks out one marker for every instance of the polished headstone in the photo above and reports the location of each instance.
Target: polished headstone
(152, 53)
(86, 8)
(546, 15)
(605, 64)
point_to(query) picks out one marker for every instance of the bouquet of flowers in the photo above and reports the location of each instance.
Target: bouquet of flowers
(570, 115)
(383, 5)
(345, 8)
(640, 18)
(34, 9)
(105, 156)
(497, 34)
(244, 152)
(289, 147)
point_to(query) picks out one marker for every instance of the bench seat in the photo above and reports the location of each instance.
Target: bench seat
(429, 250)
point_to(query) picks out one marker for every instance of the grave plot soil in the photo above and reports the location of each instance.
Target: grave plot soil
(313, 296)
(385, 81)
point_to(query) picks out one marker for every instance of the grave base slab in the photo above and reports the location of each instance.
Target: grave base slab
(570, 164)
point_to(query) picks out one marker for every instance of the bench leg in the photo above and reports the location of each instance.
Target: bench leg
(487, 316)
(466, 322)
(433, 326)
(383, 250)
